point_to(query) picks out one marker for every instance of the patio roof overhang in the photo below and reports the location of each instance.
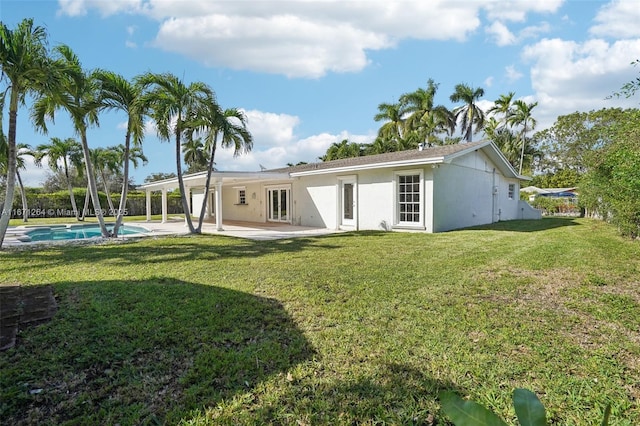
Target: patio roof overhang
(225, 178)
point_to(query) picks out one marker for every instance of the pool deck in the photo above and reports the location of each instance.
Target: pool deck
(176, 226)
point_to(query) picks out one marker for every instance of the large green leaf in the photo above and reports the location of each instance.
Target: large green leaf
(529, 409)
(467, 413)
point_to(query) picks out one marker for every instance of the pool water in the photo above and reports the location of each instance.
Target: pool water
(78, 232)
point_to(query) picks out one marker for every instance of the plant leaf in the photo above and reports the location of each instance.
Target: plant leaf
(467, 413)
(607, 413)
(529, 409)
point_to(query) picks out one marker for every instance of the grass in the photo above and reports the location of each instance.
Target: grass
(357, 328)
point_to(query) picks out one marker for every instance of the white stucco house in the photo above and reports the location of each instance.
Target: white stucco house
(430, 190)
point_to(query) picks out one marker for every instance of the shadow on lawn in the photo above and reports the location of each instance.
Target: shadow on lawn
(134, 352)
(173, 249)
(543, 224)
(395, 394)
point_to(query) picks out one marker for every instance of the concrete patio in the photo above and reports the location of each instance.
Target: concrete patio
(249, 230)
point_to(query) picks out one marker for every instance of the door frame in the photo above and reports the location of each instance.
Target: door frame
(269, 206)
(344, 223)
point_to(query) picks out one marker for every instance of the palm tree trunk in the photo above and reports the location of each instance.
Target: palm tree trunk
(25, 207)
(5, 214)
(70, 188)
(107, 192)
(85, 209)
(524, 134)
(203, 209)
(125, 185)
(183, 196)
(93, 188)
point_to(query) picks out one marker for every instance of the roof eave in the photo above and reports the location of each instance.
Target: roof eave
(344, 169)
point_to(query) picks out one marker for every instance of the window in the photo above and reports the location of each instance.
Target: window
(512, 190)
(409, 199)
(242, 196)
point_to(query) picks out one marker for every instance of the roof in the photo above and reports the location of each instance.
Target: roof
(535, 189)
(431, 155)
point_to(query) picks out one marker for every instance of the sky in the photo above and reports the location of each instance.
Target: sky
(308, 73)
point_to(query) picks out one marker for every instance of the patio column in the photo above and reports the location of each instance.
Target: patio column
(164, 205)
(219, 206)
(148, 204)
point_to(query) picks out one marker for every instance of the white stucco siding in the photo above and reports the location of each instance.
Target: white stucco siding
(315, 201)
(252, 211)
(375, 199)
(463, 193)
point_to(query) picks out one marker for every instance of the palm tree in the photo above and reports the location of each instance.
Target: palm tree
(25, 63)
(172, 103)
(521, 116)
(392, 115)
(195, 156)
(68, 152)
(502, 108)
(231, 125)
(22, 149)
(79, 96)
(106, 160)
(426, 119)
(468, 114)
(343, 149)
(117, 93)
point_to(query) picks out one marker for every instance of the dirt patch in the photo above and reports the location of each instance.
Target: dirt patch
(23, 306)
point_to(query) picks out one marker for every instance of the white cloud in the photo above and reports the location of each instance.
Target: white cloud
(516, 11)
(568, 76)
(488, 81)
(33, 176)
(618, 18)
(501, 34)
(512, 74)
(306, 38)
(130, 44)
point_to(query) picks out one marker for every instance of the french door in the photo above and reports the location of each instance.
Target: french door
(278, 204)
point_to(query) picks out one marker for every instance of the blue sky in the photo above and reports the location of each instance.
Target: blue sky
(310, 73)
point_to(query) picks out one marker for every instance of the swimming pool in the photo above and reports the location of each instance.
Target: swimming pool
(76, 232)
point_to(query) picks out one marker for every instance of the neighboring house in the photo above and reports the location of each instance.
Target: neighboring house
(431, 190)
(534, 191)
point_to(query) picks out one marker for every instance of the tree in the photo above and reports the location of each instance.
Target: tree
(24, 60)
(155, 177)
(195, 155)
(69, 153)
(502, 108)
(611, 187)
(78, 95)
(172, 103)
(629, 89)
(22, 149)
(469, 114)
(425, 120)
(211, 122)
(573, 137)
(117, 93)
(343, 149)
(521, 116)
(106, 162)
(392, 129)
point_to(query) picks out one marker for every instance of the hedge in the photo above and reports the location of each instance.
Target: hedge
(58, 204)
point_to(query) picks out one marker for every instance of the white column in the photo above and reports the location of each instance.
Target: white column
(148, 204)
(164, 205)
(219, 206)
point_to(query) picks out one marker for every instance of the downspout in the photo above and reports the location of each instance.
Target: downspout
(493, 196)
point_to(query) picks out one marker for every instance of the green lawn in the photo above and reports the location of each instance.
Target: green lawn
(360, 328)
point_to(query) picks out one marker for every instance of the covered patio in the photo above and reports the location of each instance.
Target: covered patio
(194, 185)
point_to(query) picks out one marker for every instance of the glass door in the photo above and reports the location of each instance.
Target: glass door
(278, 204)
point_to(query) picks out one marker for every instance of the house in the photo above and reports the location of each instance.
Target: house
(433, 189)
(568, 193)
